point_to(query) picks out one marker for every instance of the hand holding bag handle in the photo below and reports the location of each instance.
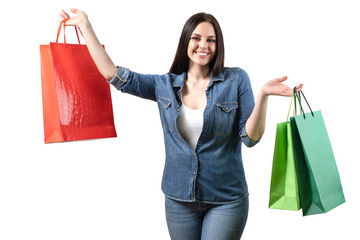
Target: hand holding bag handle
(63, 23)
(298, 97)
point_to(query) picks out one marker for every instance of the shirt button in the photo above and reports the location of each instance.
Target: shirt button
(194, 154)
(194, 173)
(177, 109)
(208, 97)
(227, 109)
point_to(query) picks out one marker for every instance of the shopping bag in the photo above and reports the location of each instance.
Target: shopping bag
(284, 192)
(318, 177)
(76, 97)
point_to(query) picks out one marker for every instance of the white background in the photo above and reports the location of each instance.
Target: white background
(110, 188)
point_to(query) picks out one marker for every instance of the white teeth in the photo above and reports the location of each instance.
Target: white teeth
(201, 54)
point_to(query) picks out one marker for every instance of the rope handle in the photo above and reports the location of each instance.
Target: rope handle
(292, 97)
(298, 97)
(63, 23)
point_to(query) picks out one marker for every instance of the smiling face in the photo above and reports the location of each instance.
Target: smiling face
(202, 45)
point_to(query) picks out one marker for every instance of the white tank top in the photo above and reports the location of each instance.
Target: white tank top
(190, 124)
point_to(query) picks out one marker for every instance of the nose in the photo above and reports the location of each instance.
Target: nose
(203, 44)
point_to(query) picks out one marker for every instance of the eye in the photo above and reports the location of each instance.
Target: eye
(213, 40)
(195, 38)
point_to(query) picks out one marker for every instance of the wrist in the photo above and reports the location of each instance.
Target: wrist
(263, 93)
(84, 23)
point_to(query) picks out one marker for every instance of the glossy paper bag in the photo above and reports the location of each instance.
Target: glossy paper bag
(284, 192)
(76, 97)
(319, 181)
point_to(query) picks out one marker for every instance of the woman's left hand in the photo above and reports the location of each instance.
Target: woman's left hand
(276, 87)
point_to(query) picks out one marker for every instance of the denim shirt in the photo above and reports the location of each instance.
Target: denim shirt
(214, 172)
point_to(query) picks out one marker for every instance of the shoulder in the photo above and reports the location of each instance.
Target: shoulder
(239, 77)
(173, 79)
(235, 73)
(170, 76)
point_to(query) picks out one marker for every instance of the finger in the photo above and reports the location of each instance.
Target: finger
(65, 14)
(282, 79)
(299, 87)
(74, 10)
(61, 17)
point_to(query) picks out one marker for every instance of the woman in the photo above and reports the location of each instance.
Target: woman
(206, 111)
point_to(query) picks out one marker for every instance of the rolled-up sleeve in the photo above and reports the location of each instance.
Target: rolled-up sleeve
(120, 77)
(246, 140)
(137, 84)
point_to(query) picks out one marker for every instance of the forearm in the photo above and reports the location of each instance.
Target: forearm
(255, 125)
(102, 60)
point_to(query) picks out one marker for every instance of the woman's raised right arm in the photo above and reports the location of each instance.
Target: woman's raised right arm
(102, 60)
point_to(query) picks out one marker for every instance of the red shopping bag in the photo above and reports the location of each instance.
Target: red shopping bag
(76, 97)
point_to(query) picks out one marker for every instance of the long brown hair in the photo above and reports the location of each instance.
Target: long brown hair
(181, 60)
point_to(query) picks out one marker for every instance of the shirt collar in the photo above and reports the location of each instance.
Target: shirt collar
(217, 78)
(179, 80)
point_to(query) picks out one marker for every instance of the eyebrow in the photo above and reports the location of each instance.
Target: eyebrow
(211, 36)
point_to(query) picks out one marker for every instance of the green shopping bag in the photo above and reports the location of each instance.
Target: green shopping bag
(284, 193)
(318, 177)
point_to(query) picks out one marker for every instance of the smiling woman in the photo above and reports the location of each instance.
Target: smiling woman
(201, 51)
(207, 111)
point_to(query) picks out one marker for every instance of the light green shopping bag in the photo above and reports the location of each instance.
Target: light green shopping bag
(284, 192)
(318, 177)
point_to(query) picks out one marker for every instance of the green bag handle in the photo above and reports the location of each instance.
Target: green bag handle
(292, 97)
(298, 97)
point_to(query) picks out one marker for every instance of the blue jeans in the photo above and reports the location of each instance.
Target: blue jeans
(196, 220)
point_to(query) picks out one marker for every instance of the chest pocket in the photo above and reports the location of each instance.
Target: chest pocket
(166, 114)
(225, 114)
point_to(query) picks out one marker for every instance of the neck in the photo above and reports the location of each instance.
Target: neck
(198, 73)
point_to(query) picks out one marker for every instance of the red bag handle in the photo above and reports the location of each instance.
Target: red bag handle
(63, 22)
